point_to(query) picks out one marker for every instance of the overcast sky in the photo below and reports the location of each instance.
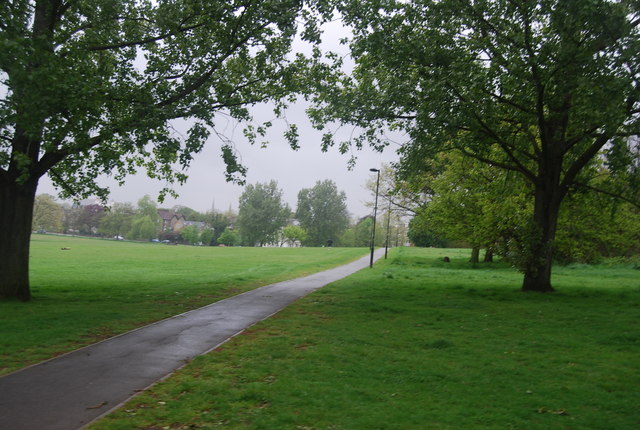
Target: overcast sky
(293, 170)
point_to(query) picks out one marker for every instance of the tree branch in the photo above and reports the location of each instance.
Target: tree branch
(575, 167)
(634, 202)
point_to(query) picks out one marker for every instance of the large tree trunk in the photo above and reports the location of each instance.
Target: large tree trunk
(16, 213)
(475, 255)
(537, 274)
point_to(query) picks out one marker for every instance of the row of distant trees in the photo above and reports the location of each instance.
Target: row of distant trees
(125, 220)
(320, 219)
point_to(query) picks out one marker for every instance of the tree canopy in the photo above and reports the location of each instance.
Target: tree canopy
(261, 214)
(322, 212)
(96, 87)
(537, 87)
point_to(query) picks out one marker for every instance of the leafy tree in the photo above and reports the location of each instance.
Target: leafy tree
(146, 222)
(117, 220)
(537, 87)
(89, 219)
(347, 238)
(77, 101)
(322, 212)
(143, 228)
(421, 233)
(363, 233)
(148, 207)
(229, 237)
(294, 234)
(593, 226)
(472, 203)
(47, 214)
(219, 222)
(71, 216)
(485, 207)
(261, 213)
(190, 234)
(206, 236)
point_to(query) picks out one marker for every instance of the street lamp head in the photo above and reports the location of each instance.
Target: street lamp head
(374, 170)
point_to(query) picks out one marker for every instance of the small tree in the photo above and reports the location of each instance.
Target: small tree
(190, 234)
(47, 214)
(206, 236)
(117, 220)
(294, 235)
(143, 228)
(229, 237)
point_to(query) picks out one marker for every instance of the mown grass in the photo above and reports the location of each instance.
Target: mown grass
(416, 343)
(99, 288)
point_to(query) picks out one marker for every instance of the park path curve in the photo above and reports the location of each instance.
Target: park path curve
(70, 391)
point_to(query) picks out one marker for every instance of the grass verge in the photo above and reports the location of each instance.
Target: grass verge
(93, 289)
(416, 343)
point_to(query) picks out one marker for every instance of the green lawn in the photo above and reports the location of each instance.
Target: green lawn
(417, 343)
(98, 288)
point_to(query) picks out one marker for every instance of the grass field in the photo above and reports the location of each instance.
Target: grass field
(417, 343)
(98, 288)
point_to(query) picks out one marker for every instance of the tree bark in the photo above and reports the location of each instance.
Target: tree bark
(16, 213)
(537, 274)
(475, 255)
(488, 255)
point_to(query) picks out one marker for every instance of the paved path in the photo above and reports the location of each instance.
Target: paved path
(70, 391)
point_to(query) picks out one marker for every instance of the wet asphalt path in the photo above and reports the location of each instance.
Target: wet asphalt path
(68, 392)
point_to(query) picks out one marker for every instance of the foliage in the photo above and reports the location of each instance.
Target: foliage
(229, 237)
(190, 234)
(415, 343)
(489, 208)
(359, 235)
(142, 228)
(206, 236)
(89, 219)
(261, 213)
(594, 226)
(322, 212)
(147, 207)
(99, 87)
(294, 235)
(200, 59)
(117, 220)
(47, 214)
(421, 233)
(146, 223)
(218, 222)
(537, 87)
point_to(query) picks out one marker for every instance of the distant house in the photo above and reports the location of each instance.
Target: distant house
(171, 221)
(175, 222)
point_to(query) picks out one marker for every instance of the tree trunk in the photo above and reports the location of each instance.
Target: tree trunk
(475, 255)
(537, 273)
(16, 213)
(488, 255)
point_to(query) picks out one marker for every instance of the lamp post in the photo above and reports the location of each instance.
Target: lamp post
(375, 210)
(386, 243)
